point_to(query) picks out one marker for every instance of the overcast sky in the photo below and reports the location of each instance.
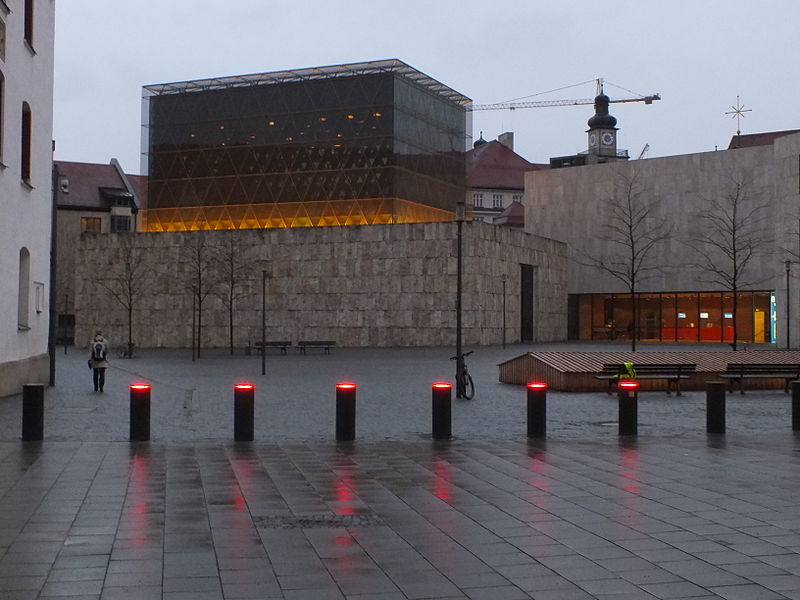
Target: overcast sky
(698, 54)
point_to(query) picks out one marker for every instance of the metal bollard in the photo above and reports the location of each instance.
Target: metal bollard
(243, 412)
(32, 412)
(345, 412)
(441, 395)
(796, 406)
(537, 410)
(628, 396)
(715, 407)
(140, 412)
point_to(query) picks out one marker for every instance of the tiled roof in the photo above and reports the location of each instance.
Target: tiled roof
(493, 165)
(513, 215)
(84, 183)
(751, 140)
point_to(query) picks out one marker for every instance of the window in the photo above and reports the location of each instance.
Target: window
(90, 224)
(516, 198)
(23, 293)
(120, 223)
(29, 22)
(26, 142)
(497, 200)
(477, 200)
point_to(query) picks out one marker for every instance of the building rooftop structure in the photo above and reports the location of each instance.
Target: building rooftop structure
(751, 140)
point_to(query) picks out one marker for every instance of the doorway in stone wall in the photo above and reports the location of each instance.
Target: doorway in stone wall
(527, 303)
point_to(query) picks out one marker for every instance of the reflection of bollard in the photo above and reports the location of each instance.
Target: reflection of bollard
(537, 410)
(715, 407)
(32, 412)
(441, 394)
(140, 412)
(796, 406)
(628, 395)
(243, 411)
(345, 412)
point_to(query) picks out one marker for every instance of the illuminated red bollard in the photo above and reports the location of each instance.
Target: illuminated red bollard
(628, 395)
(32, 412)
(440, 410)
(140, 412)
(537, 409)
(243, 412)
(345, 412)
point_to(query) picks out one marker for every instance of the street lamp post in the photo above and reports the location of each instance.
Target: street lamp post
(459, 260)
(264, 322)
(788, 265)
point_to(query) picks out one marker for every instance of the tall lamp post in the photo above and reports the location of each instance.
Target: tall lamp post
(788, 265)
(460, 209)
(263, 322)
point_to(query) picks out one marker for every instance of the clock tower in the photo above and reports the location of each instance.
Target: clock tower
(602, 132)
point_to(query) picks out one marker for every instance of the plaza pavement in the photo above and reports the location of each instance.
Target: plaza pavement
(671, 513)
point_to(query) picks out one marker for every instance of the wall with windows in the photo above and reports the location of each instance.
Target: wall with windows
(26, 108)
(571, 205)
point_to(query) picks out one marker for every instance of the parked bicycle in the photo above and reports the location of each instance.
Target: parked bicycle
(465, 388)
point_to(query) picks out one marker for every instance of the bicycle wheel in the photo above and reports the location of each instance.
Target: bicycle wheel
(467, 386)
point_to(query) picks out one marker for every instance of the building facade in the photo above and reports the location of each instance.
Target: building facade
(692, 195)
(364, 143)
(91, 199)
(26, 131)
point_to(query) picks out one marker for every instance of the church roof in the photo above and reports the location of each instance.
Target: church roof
(751, 140)
(495, 166)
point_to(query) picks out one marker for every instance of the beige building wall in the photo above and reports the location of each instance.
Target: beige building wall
(568, 205)
(379, 285)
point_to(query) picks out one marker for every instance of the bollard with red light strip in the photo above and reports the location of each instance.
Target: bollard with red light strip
(628, 395)
(345, 412)
(441, 394)
(537, 409)
(243, 412)
(715, 407)
(140, 412)
(32, 412)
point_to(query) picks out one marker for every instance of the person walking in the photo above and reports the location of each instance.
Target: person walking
(98, 361)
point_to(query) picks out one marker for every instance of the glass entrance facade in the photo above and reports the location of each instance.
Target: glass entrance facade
(675, 316)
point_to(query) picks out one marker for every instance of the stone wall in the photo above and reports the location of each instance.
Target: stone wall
(379, 285)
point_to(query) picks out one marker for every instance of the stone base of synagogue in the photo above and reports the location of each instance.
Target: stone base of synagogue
(17, 373)
(360, 286)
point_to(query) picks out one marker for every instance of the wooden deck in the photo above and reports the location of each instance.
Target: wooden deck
(575, 371)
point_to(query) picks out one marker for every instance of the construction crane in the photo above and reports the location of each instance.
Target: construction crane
(513, 105)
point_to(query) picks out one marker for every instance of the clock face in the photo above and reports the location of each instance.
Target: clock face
(607, 139)
(593, 139)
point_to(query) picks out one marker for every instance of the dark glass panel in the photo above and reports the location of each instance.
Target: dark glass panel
(687, 318)
(745, 316)
(669, 331)
(710, 317)
(649, 313)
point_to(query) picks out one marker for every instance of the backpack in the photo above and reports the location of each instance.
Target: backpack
(98, 350)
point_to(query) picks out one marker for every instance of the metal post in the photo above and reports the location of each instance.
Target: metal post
(628, 396)
(796, 406)
(537, 410)
(32, 412)
(345, 412)
(194, 321)
(243, 412)
(440, 410)
(459, 260)
(788, 305)
(715, 407)
(140, 412)
(264, 322)
(504, 312)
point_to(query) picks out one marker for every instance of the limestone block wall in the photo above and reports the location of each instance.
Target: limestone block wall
(380, 285)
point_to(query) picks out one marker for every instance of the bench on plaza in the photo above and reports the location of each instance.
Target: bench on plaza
(283, 345)
(672, 373)
(738, 372)
(325, 345)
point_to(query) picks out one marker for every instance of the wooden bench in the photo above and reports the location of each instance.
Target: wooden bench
(672, 373)
(325, 345)
(259, 345)
(738, 372)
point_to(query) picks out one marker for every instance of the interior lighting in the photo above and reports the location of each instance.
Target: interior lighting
(270, 123)
(323, 118)
(376, 114)
(350, 117)
(222, 127)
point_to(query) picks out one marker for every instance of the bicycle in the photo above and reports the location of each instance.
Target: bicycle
(465, 387)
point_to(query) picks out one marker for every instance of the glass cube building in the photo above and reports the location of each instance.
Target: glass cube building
(366, 143)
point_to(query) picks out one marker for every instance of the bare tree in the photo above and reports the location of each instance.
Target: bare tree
(199, 259)
(731, 231)
(127, 279)
(230, 265)
(634, 226)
